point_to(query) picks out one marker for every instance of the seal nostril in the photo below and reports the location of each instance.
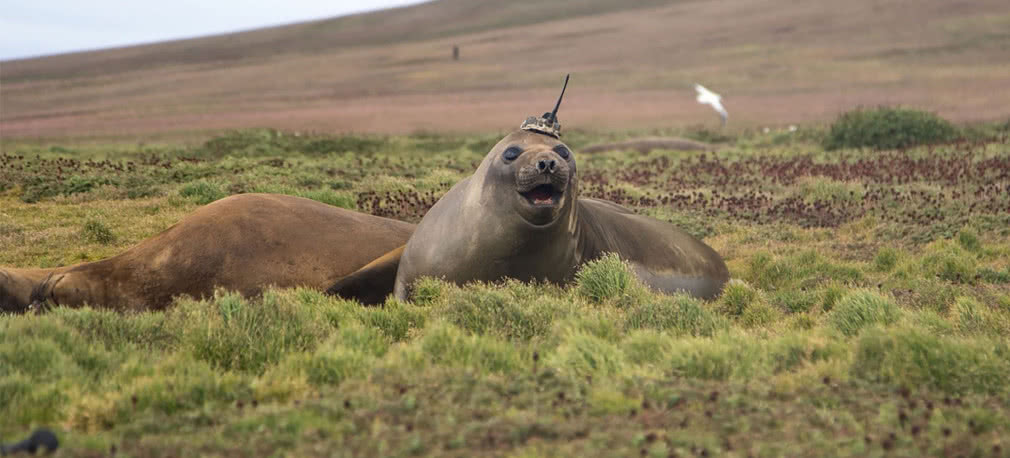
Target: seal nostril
(541, 165)
(552, 164)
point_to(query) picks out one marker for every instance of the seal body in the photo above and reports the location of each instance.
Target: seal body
(242, 243)
(519, 216)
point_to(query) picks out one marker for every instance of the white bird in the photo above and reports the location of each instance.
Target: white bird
(707, 97)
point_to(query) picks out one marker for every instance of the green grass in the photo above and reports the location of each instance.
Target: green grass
(844, 333)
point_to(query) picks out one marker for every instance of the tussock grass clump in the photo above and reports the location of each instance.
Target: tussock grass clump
(721, 358)
(232, 333)
(680, 314)
(583, 354)
(795, 301)
(862, 308)
(888, 128)
(117, 330)
(885, 260)
(605, 279)
(737, 295)
(428, 290)
(165, 387)
(805, 269)
(97, 232)
(738, 356)
(969, 241)
(830, 295)
(646, 346)
(202, 192)
(139, 187)
(495, 310)
(394, 319)
(913, 358)
(949, 261)
(446, 345)
(349, 352)
(41, 360)
(759, 314)
(974, 318)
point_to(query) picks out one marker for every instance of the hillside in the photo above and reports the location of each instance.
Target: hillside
(775, 61)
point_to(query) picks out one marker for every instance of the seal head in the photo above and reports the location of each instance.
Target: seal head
(536, 172)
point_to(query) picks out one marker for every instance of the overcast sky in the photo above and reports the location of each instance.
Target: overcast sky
(41, 27)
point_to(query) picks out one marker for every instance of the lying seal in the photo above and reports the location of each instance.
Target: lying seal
(519, 216)
(242, 243)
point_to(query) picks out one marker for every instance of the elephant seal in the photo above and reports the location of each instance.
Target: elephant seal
(519, 216)
(242, 243)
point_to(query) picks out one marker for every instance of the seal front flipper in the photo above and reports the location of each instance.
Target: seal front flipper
(372, 283)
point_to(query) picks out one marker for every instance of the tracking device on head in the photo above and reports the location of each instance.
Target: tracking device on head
(548, 123)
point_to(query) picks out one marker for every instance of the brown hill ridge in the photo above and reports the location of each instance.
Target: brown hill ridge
(774, 61)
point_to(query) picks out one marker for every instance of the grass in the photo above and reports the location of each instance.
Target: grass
(868, 312)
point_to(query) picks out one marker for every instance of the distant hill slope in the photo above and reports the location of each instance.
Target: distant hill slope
(396, 25)
(633, 63)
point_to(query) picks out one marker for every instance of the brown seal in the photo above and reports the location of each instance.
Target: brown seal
(519, 216)
(242, 243)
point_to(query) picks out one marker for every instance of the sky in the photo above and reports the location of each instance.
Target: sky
(31, 28)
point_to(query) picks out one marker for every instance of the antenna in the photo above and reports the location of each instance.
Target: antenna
(558, 105)
(548, 123)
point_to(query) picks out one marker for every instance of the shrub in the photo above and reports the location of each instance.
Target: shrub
(888, 128)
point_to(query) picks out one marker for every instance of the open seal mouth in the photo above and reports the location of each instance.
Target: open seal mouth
(544, 195)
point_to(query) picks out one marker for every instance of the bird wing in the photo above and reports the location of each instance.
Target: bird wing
(718, 107)
(704, 93)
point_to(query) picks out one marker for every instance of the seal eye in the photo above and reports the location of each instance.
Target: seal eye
(511, 153)
(562, 151)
